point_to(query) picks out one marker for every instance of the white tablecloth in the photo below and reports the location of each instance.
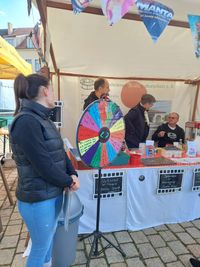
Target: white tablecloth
(140, 206)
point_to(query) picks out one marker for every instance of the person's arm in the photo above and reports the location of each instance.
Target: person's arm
(155, 136)
(27, 133)
(182, 136)
(69, 167)
(130, 118)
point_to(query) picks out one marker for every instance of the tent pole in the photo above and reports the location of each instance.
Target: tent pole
(195, 102)
(98, 11)
(58, 73)
(120, 78)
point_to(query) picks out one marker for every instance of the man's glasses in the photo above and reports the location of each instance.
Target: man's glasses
(172, 117)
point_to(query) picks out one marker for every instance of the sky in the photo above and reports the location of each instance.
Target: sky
(15, 11)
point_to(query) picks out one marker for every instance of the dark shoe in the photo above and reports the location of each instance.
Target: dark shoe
(195, 263)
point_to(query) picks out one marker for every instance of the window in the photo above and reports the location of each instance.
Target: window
(11, 41)
(29, 61)
(37, 64)
(29, 43)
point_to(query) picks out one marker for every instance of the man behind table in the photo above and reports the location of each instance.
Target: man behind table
(169, 132)
(137, 122)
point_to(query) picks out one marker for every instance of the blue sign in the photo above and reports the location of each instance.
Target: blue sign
(194, 22)
(155, 16)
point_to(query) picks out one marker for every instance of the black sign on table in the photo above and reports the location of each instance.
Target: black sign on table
(111, 184)
(170, 181)
(196, 180)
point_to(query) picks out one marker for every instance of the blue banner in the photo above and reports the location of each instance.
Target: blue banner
(194, 22)
(155, 16)
(79, 5)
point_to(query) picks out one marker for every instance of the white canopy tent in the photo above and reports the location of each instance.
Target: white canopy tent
(85, 45)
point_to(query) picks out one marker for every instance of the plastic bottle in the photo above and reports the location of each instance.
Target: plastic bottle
(181, 144)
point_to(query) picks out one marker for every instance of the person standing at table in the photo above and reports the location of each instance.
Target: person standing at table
(101, 88)
(137, 122)
(169, 132)
(43, 167)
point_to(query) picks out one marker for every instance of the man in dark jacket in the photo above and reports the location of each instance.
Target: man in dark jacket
(169, 132)
(137, 122)
(101, 88)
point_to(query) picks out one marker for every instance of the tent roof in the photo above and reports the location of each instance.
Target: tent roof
(86, 44)
(11, 64)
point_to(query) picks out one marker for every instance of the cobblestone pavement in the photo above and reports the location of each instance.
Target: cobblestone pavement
(166, 245)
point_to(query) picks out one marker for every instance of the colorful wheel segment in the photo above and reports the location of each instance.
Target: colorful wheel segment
(100, 133)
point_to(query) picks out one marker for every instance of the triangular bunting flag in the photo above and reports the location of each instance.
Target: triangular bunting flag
(194, 22)
(155, 16)
(114, 10)
(79, 5)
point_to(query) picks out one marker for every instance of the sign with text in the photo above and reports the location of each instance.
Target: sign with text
(196, 180)
(111, 185)
(170, 181)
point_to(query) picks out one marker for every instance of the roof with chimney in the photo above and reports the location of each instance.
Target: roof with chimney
(15, 32)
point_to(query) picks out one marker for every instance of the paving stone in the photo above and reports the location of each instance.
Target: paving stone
(123, 237)
(6, 212)
(80, 257)
(13, 230)
(177, 247)
(168, 235)
(21, 246)
(19, 261)
(155, 262)
(139, 237)
(24, 228)
(157, 241)
(185, 259)
(15, 216)
(88, 248)
(15, 222)
(176, 228)
(111, 238)
(147, 250)
(186, 224)
(9, 241)
(149, 231)
(195, 250)
(186, 238)
(101, 262)
(135, 262)
(4, 220)
(113, 256)
(194, 232)
(166, 254)
(121, 264)
(175, 264)
(197, 223)
(129, 249)
(161, 228)
(80, 245)
(6, 256)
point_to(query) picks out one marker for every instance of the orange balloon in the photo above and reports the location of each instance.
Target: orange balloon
(131, 93)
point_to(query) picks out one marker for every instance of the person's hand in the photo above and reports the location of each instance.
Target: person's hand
(75, 184)
(161, 134)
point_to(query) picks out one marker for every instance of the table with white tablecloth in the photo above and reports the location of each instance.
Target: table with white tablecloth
(135, 204)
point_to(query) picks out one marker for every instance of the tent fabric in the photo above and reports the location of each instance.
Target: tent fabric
(86, 44)
(11, 63)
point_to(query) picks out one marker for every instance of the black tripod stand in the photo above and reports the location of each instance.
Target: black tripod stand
(97, 234)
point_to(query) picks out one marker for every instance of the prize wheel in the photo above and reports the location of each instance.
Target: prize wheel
(100, 133)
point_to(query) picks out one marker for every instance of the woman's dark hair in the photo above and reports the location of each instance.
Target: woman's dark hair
(28, 87)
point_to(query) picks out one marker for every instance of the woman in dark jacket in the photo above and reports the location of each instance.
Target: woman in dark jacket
(44, 169)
